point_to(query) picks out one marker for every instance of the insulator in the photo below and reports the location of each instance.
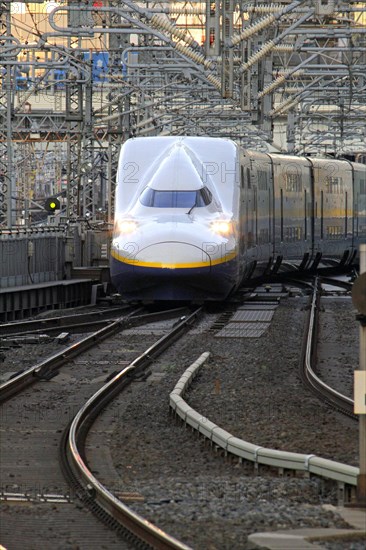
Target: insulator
(236, 59)
(283, 108)
(290, 73)
(214, 80)
(284, 48)
(247, 33)
(257, 56)
(192, 10)
(275, 84)
(197, 57)
(273, 8)
(160, 21)
(293, 90)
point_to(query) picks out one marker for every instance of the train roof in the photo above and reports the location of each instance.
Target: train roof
(177, 161)
(145, 150)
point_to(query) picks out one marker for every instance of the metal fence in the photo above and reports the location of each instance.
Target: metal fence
(31, 256)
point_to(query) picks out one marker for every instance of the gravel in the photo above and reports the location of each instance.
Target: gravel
(344, 544)
(250, 387)
(338, 344)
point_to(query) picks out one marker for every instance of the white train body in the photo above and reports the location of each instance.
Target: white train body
(195, 215)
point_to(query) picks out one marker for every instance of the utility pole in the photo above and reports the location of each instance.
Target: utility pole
(212, 29)
(74, 116)
(118, 129)
(6, 112)
(227, 54)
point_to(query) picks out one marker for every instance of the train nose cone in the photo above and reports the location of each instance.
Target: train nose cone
(172, 255)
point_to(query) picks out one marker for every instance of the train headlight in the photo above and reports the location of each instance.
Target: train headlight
(125, 226)
(222, 227)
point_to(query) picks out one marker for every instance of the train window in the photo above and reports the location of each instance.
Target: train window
(248, 179)
(333, 184)
(321, 215)
(346, 216)
(175, 199)
(262, 180)
(362, 187)
(206, 195)
(334, 231)
(293, 182)
(147, 196)
(294, 233)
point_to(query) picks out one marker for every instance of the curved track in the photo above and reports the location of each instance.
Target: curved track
(337, 400)
(48, 422)
(127, 413)
(73, 452)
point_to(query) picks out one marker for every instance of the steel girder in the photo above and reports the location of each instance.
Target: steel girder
(6, 113)
(322, 62)
(294, 64)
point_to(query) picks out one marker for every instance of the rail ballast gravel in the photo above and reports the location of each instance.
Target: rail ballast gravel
(46, 368)
(52, 324)
(107, 502)
(218, 436)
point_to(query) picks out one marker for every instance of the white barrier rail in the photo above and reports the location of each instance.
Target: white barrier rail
(243, 449)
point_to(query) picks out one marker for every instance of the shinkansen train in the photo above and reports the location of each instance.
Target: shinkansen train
(195, 216)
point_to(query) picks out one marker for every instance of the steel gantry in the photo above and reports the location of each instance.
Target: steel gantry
(88, 75)
(7, 183)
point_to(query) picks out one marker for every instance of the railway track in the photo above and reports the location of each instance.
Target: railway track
(170, 474)
(74, 456)
(340, 402)
(54, 489)
(83, 322)
(46, 368)
(213, 487)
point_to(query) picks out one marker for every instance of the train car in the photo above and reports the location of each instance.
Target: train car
(176, 219)
(194, 216)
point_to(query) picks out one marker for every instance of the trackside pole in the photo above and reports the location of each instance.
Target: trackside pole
(359, 300)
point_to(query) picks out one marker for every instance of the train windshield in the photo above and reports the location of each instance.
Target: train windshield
(175, 199)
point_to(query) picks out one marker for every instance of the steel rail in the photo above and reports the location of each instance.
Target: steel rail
(341, 402)
(54, 324)
(106, 501)
(46, 324)
(346, 285)
(45, 368)
(84, 327)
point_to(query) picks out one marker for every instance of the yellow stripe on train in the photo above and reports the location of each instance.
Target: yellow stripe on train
(167, 265)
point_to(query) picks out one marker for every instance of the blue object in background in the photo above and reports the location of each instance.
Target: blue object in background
(99, 65)
(59, 77)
